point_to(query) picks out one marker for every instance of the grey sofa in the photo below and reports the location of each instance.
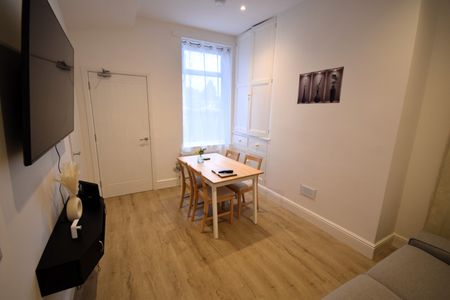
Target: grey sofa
(419, 270)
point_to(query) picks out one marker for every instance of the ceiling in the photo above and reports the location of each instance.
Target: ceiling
(204, 14)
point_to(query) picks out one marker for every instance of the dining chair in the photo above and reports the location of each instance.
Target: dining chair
(187, 183)
(232, 154)
(240, 188)
(204, 192)
(194, 203)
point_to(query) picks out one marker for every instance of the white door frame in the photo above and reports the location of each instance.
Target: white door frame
(90, 117)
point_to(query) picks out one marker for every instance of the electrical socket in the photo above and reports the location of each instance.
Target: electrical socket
(308, 191)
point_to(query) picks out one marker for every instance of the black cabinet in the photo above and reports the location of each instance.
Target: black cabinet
(67, 262)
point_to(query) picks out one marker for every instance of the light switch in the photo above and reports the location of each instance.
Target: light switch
(1, 255)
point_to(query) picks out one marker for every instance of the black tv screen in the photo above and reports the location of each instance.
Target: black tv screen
(47, 80)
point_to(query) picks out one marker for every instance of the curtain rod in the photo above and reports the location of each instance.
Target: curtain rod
(205, 44)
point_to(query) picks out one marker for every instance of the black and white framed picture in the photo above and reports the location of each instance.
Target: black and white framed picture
(334, 83)
(320, 86)
(304, 88)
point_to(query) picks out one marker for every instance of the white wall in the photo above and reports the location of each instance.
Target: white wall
(433, 129)
(29, 204)
(418, 78)
(344, 150)
(150, 47)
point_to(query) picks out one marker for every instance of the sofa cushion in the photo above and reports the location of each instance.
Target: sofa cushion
(413, 274)
(435, 245)
(362, 287)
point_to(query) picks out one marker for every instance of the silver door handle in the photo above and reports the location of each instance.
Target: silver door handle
(144, 139)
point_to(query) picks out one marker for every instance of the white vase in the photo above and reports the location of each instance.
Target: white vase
(74, 208)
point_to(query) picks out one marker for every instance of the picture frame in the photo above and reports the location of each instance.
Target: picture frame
(333, 85)
(304, 88)
(320, 86)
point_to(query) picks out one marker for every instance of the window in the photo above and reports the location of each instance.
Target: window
(206, 70)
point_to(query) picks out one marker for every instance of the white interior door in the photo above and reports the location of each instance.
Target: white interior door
(122, 132)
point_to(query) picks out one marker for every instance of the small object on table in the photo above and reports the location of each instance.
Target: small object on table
(69, 179)
(206, 158)
(89, 192)
(74, 208)
(226, 171)
(201, 151)
(74, 228)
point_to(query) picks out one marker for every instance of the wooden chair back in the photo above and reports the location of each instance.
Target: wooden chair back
(197, 174)
(253, 161)
(232, 154)
(187, 176)
(186, 183)
(183, 169)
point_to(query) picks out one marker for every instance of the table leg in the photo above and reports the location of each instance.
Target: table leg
(214, 207)
(255, 199)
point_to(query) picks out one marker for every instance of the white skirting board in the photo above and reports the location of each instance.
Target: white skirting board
(399, 241)
(165, 183)
(349, 238)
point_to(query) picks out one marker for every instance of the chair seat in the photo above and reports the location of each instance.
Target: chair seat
(240, 186)
(198, 181)
(222, 192)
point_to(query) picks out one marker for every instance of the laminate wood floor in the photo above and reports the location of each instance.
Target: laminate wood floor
(154, 252)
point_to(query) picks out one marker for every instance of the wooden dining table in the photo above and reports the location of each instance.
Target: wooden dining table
(219, 162)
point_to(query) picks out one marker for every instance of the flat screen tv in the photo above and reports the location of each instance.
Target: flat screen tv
(47, 80)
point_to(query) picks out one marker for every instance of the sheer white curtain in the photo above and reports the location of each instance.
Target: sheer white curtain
(206, 70)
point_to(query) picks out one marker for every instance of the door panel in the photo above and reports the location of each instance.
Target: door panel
(121, 123)
(244, 59)
(260, 109)
(241, 109)
(263, 53)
